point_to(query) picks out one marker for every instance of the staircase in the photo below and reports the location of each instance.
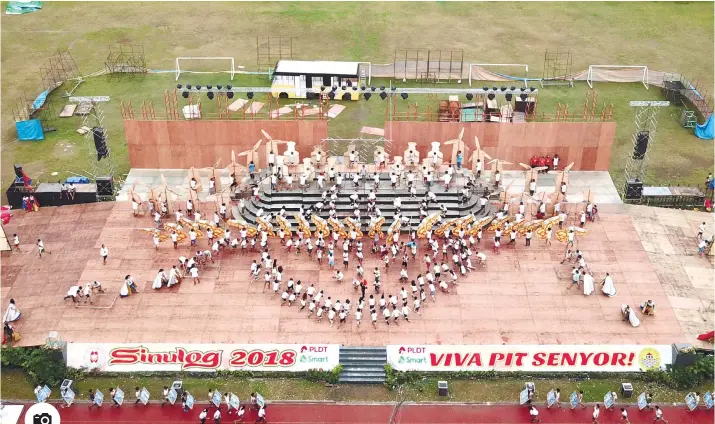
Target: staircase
(363, 365)
(272, 202)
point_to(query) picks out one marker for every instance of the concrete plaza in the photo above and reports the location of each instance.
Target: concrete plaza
(521, 297)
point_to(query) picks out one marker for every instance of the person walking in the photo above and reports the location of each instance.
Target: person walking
(104, 252)
(659, 415)
(41, 247)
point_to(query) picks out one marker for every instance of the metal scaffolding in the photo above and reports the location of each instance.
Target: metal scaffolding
(125, 61)
(557, 68)
(106, 166)
(645, 121)
(271, 49)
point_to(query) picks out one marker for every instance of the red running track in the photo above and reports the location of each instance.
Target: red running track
(318, 413)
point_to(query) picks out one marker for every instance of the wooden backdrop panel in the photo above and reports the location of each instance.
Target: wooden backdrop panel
(587, 144)
(183, 144)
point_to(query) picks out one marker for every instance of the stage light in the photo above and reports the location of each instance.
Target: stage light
(249, 94)
(512, 88)
(343, 88)
(373, 88)
(188, 86)
(485, 88)
(382, 87)
(383, 95)
(219, 86)
(198, 87)
(523, 96)
(185, 94)
(362, 87)
(491, 96)
(503, 88)
(469, 96)
(208, 86)
(331, 95)
(523, 89)
(367, 96)
(508, 97)
(495, 88)
(404, 96)
(355, 87)
(228, 87)
(210, 95)
(532, 89)
(394, 87)
(178, 86)
(229, 94)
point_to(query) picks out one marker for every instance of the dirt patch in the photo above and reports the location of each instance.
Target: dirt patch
(64, 149)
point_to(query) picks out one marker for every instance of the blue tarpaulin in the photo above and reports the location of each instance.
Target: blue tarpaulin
(705, 131)
(40, 100)
(29, 130)
(22, 7)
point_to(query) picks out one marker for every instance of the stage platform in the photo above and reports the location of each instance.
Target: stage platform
(521, 297)
(579, 181)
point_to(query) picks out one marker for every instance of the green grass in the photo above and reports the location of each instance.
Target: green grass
(596, 32)
(16, 386)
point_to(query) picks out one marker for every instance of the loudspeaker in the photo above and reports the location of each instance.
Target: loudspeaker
(634, 189)
(641, 145)
(18, 171)
(105, 186)
(442, 388)
(627, 390)
(100, 142)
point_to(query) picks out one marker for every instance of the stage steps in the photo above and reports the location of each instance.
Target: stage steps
(363, 365)
(272, 202)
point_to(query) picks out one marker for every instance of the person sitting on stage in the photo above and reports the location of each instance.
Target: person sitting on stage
(542, 161)
(648, 308)
(482, 259)
(629, 315)
(465, 195)
(542, 211)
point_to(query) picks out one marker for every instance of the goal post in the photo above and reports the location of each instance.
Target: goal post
(617, 73)
(472, 75)
(231, 71)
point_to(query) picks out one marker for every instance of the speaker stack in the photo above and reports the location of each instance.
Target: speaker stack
(100, 142)
(105, 186)
(642, 138)
(634, 189)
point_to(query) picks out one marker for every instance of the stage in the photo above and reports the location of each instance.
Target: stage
(521, 297)
(177, 181)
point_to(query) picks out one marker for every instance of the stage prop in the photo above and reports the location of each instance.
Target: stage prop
(587, 144)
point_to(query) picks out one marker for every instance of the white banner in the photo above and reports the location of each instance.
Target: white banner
(531, 358)
(131, 357)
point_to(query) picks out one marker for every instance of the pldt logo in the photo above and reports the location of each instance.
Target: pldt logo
(403, 350)
(314, 349)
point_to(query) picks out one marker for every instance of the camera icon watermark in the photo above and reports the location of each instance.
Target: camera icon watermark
(42, 413)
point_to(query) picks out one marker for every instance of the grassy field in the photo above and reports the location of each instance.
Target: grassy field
(16, 386)
(597, 33)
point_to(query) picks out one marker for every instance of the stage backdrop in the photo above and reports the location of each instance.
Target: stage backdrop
(587, 144)
(183, 144)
